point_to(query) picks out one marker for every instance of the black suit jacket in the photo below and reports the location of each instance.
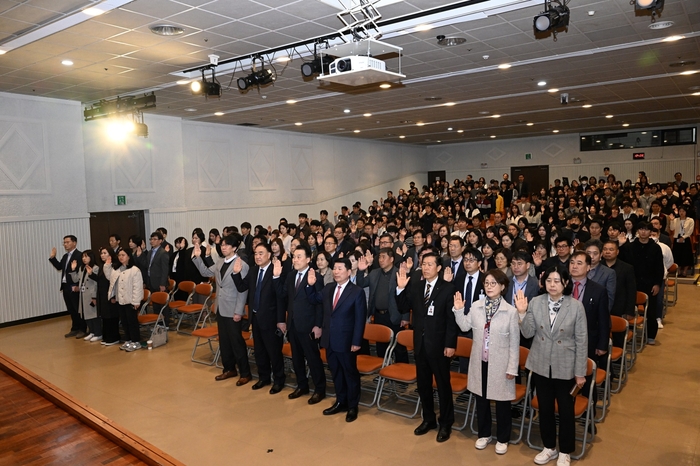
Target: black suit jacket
(158, 273)
(625, 289)
(303, 311)
(431, 334)
(271, 310)
(343, 326)
(595, 301)
(447, 264)
(61, 265)
(460, 282)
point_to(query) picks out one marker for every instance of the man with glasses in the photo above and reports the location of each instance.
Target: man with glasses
(522, 281)
(563, 246)
(455, 248)
(470, 283)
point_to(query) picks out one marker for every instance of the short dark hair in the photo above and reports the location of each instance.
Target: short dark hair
(71, 237)
(115, 236)
(162, 230)
(522, 255)
(265, 245)
(246, 225)
(345, 261)
(582, 253)
(596, 243)
(563, 274)
(388, 251)
(157, 234)
(304, 246)
(500, 277)
(563, 238)
(457, 238)
(233, 240)
(473, 252)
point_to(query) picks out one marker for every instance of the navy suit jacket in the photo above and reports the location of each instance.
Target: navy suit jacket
(303, 311)
(61, 265)
(271, 310)
(343, 326)
(595, 302)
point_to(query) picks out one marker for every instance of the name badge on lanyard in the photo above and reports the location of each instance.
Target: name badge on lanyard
(431, 309)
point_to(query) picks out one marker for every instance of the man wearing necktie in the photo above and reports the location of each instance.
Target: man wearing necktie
(452, 262)
(71, 293)
(158, 264)
(267, 316)
(434, 340)
(304, 323)
(344, 315)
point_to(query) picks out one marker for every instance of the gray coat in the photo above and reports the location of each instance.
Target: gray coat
(229, 300)
(504, 348)
(606, 277)
(371, 281)
(565, 347)
(88, 292)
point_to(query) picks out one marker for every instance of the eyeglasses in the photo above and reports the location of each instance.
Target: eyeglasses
(329, 243)
(562, 246)
(470, 259)
(489, 284)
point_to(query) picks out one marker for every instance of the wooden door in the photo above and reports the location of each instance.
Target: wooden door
(537, 176)
(124, 223)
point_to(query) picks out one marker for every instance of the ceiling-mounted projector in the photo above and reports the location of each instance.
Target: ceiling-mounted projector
(362, 62)
(355, 63)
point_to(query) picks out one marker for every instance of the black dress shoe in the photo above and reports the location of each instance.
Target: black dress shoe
(226, 375)
(260, 384)
(316, 397)
(276, 389)
(335, 409)
(444, 433)
(425, 427)
(297, 393)
(352, 415)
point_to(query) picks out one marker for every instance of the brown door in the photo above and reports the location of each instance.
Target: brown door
(123, 223)
(436, 176)
(537, 177)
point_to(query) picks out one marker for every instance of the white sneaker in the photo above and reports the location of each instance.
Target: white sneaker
(481, 443)
(134, 347)
(564, 460)
(651, 341)
(125, 345)
(546, 455)
(96, 338)
(88, 336)
(659, 324)
(501, 448)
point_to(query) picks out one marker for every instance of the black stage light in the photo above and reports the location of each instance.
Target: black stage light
(256, 78)
(553, 18)
(644, 6)
(316, 66)
(208, 88)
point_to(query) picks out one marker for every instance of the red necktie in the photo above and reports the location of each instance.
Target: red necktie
(577, 289)
(337, 296)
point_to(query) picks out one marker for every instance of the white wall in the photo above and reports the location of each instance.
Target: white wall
(42, 198)
(558, 152)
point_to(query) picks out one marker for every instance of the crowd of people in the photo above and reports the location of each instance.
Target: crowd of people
(490, 261)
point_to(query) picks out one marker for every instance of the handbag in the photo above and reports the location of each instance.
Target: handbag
(159, 336)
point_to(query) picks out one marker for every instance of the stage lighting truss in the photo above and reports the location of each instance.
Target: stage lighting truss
(652, 6)
(361, 18)
(554, 18)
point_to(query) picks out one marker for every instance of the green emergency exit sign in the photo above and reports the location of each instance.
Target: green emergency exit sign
(119, 200)
(528, 156)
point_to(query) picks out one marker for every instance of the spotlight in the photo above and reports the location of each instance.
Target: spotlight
(207, 88)
(652, 6)
(553, 18)
(316, 66)
(258, 78)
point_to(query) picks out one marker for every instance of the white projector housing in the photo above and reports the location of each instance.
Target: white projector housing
(358, 63)
(355, 63)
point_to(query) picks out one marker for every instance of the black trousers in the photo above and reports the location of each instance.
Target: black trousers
(346, 378)
(110, 329)
(268, 354)
(652, 313)
(549, 390)
(71, 299)
(232, 345)
(306, 351)
(130, 322)
(483, 411)
(400, 352)
(426, 368)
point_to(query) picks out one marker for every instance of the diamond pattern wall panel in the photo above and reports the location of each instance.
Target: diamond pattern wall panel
(24, 162)
(213, 166)
(261, 167)
(302, 167)
(132, 169)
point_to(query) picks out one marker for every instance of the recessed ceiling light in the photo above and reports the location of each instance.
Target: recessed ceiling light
(484, 112)
(587, 106)
(542, 83)
(166, 30)
(449, 104)
(356, 131)
(553, 90)
(555, 131)
(451, 41)
(504, 66)
(689, 72)
(673, 38)
(2, 52)
(402, 137)
(644, 132)
(439, 140)
(218, 113)
(460, 131)
(496, 116)
(67, 63)
(424, 27)
(449, 129)
(696, 93)
(493, 136)
(93, 11)
(347, 110)
(655, 136)
(432, 98)
(298, 123)
(291, 101)
(660, 25)
(340, 129)
(367, 114)
(608, 116)
(625, 124)
(385, 86)
(530, 124)
(182, 82)
(591, 12)
(420, 123)
(190, 109)
(283, 59)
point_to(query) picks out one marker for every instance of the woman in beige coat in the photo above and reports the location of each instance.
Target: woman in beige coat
(493, 364)
(126, 291)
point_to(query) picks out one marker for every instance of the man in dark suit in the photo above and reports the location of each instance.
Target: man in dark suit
(247, 241)
(522, 187)
(304, 323)
(599, 273)
(434, 340)
(268, 317)
(71, 293)
(382, 302)
(522, 281)
(156, 265)
(345, 244)
(625, 286)
(470, 282)
(344, 315)
(453, 261)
